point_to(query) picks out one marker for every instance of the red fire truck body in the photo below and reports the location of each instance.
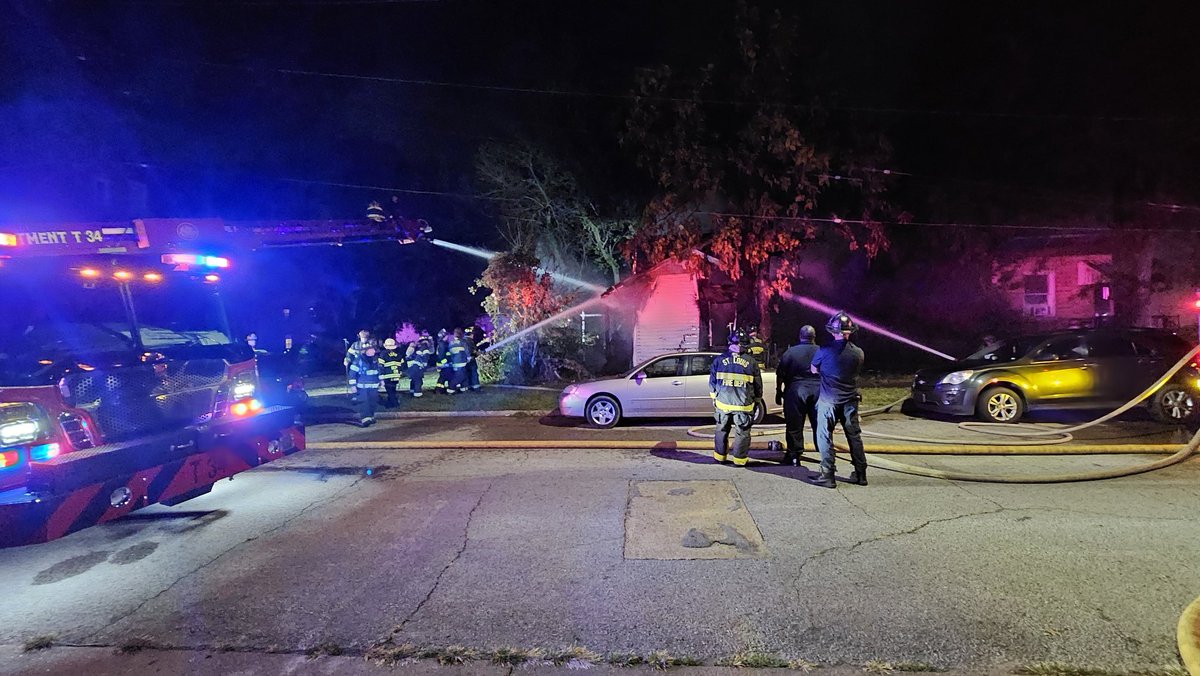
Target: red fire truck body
(121, 384)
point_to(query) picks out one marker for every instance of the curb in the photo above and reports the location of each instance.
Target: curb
(1187, 634)
(706, 447)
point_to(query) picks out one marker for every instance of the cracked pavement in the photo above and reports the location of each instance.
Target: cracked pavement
(525, 548)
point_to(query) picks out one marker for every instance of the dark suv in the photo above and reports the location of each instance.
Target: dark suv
(1085, 368)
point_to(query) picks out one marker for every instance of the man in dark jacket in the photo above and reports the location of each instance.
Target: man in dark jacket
(839, 364)
(797, 389)
(735, 385)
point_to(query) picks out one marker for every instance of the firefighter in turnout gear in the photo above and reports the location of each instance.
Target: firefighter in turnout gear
(459, 354)
(839, 364)
(443, 362)
(756, 348)
(473, 349)
(797, 388)
(364, 377)
(414, 367)
(735, 385)
(391, 366)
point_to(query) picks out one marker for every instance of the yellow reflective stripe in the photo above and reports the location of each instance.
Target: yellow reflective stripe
(740, 462)
(734, 408)
(735, 379)
(712, 395)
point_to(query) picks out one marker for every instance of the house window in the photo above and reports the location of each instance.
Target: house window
(1039, 295)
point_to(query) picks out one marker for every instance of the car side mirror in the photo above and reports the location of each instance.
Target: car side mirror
(641, 375)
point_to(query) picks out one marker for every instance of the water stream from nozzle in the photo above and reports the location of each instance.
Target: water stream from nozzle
(578, 307)
(817, 305)
(488, 255)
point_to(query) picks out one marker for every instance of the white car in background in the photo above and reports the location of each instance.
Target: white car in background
(668, 386)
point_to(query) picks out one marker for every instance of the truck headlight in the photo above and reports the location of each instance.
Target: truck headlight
(19, 432)
(21, 423)
(956, 378)
(243, 390)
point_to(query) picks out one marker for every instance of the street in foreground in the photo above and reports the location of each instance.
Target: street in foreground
(631, 550)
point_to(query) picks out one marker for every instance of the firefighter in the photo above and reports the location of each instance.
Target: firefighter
(797, 389)
(364, 377)
(839, 364)
(735, 385)
(443, 362)
(458, 354)
(353, 350)
(375, 212)
(469, 334)
(756, 348)
(414, 367)
(252, 342)
(391, 363)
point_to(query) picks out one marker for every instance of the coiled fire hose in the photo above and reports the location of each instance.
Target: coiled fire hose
(1055, 436)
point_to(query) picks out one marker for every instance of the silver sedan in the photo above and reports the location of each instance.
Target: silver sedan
(668, 386)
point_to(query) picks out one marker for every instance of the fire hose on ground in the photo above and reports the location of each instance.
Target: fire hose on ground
(1028, 441)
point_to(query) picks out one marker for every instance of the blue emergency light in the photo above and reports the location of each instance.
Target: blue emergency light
(196, 259)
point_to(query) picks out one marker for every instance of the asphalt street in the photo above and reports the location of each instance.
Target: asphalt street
(553, 547)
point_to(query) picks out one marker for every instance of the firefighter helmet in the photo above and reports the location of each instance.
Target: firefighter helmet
(841, 323)
(390, 344)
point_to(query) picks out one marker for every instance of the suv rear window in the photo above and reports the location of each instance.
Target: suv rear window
(1160, 346)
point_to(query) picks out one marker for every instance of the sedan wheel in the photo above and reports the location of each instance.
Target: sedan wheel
(1000, 405)
(1172, 404)
(603, 411)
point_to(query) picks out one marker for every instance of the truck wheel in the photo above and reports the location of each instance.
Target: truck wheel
(1000, 405)
(602, 411)
(760, 412)
(1173, 403)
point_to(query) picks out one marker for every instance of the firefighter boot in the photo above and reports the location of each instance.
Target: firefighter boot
(825, 479)
(859, 475)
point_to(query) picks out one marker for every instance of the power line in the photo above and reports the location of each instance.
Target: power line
(931, 224)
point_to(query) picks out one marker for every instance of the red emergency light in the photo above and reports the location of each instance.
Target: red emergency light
(246, 407)
(196, 260)
(8, 459)
(8, 239)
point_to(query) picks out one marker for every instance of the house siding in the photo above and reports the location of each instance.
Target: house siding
(670, 318)
(1072, 283)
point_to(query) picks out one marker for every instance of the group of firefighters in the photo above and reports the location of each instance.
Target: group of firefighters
(370, 364)
(817, 384)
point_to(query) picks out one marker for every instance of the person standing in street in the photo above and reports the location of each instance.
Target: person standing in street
(839, 364)
(735, 385)
(391, 363)
(797, 389)
(364, 377)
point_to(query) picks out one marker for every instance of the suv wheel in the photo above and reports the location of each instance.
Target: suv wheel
(1000, 405)
(1172, 404)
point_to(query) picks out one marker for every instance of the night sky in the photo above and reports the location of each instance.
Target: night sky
(260, 109)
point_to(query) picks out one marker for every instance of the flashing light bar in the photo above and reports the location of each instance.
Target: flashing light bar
(8, 239)
(44, 452)
(9, 459)
(196, 259)
(246, 407)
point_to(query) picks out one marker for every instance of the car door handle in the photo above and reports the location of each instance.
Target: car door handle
(676, 382)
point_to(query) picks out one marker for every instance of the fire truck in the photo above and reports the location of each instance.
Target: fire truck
(121, 382)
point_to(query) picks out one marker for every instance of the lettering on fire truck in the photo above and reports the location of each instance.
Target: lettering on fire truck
(52, 237)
